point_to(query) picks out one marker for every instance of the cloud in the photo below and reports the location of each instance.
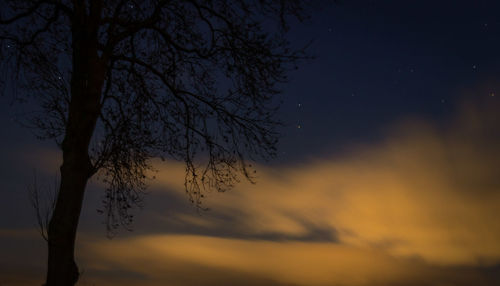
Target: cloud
(425, 192)
(202, 260)
(419, 208)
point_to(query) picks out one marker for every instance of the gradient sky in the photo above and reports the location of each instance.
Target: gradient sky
(391, 179)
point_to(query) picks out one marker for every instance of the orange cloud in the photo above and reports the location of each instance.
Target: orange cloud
(424, 192)
(169, 259)
(296, 263)
(420, 208)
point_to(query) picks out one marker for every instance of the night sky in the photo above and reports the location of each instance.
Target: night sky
(387, 171)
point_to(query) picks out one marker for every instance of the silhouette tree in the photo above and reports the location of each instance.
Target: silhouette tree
(119, 82)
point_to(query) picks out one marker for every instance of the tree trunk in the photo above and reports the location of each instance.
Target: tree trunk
(62, 269)
(86, 87)
(76, 169)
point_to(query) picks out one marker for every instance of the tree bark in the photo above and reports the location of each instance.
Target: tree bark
(75, 171)
(84, 109)
(62, 269)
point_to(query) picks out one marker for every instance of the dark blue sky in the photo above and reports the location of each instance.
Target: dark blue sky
(378, 62)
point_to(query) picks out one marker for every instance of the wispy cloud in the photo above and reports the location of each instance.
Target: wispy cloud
(420, 208)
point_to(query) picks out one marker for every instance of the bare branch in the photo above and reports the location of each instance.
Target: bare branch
(43, 202)
(191, 80)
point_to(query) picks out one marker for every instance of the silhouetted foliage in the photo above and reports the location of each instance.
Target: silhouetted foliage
(121, 82)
